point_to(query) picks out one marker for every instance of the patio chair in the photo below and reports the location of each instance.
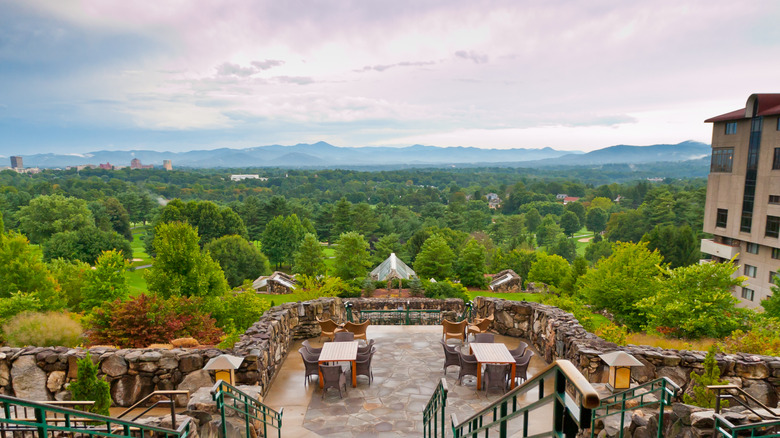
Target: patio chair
(468, 366)
(310, 349)
(521, 365)
(333, 377)
(311, 364)
(484, 338)
(451, 355)
(456, 330)
(363, 365)
(519, 350)
(495, 376)
(328, 328)
(358, 329)
(365, 349)
(343, 337)
(481, 325)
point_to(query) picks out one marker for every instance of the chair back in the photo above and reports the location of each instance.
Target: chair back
(344, 337)
(484, 338)
(358, 329)
(309, 347)
(524, 359)
(519, 350)
(484, 323)
(367, 347)
(454, 329)
(308, 356)
(327, 325)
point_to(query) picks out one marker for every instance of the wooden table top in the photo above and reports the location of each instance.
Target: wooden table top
(339, 351)
(491, 353)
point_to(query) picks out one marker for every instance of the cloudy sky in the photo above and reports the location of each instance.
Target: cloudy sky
(78, 76)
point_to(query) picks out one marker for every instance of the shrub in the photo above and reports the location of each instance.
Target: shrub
(368, 287)
(88, 386)
(145, 320)
(236, 311)
(762, 338)
(445, 289)
(50, 329)
(229, 340)
(702, 396)
(613, 333)
(416, 288)
(574, 306)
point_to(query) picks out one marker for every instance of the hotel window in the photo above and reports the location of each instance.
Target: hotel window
(750, 271)
(776, 160)
(722, 159)
(772, 276)
(731, 128)
(774, 199)
(722, 218)
(772, 226)
(752, 248)
(747, 293)
(776, 253)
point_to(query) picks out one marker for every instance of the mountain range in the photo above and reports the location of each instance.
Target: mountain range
(324, 155)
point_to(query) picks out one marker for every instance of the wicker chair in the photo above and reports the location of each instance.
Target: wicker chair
(451, 356)
(468, 366)
(363, 365)
(481, 325)
(495, 376)
(310, 349)
(358, 329)
(521, 365)
(519, 350)
(328, 328)
(367, 348)
(333, 377)
(311, 363)
(456, 330)
(343, 337)
(484, 338)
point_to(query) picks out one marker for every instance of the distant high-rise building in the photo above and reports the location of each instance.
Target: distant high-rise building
(16, 162)
(742, 211)
(135, 163)
(167, 165)
(106, 166)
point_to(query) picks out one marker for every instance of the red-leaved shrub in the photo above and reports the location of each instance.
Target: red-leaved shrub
(146, 320)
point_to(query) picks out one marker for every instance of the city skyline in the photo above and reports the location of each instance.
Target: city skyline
(80, 76)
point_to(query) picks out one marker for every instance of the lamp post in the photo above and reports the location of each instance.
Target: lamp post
(225, 366)
(620, 364)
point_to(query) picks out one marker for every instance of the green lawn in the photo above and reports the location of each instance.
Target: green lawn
(329, 252)
(135, 278)
(519, 296)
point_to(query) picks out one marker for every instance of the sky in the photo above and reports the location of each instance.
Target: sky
(177, 75)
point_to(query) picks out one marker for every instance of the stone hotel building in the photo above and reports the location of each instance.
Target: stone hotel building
(743, 194)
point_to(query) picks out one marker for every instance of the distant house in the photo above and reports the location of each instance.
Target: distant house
(619, 198)
(560, 196)
(247, 176)
(391, 269)
(505, 281)
(276, 283)
(568, 199)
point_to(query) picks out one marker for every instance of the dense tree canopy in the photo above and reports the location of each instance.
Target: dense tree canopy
(435, 259)
(310, 260)
(48, 215)
(352, 256)
(239, 259)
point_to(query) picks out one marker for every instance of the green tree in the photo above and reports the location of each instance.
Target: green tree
(22, 270)
(596, 220)
(470, 266)
(435, 259)
(578, 268)
(239, 259)
(596, 251)
(180, 268)
(627, 226)
(771, 305)
(620, 281)
(72, 276)
(702, 396)
(695, 301)
(364, 220)
(518, 260)
(51, 214)
(85, 244)
(570, 223)
(547, 231)
(678, 245)
(564, 247)
(578, 209)
(549, 269)
(532, 219)
(118, 217)
(309, 260)
(352, 256)
(385, 246)
(107, 282)
(89, 387)
(342, 218)
(281, 239)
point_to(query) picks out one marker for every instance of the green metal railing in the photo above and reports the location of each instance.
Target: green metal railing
(660, 391)
(433, 414)
(249, 408)
(571, 412)
(403, 316)
(724, 427)
(41, 420)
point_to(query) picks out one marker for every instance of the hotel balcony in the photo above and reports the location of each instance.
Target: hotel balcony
(709, 246)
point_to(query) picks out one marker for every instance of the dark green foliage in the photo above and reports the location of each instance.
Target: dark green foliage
(352, 257)
(309, 260)
(107, 282)
(435, 259)
(470, 266)
(771, 305)
(564, 247)
(570, 223)
(239, 259)
(596, 220)
(678, 245)
(282, 238)
(598, 250)
(532, 219)
(702, 396)
(518, 260)
(89, 387)
(416, 288)
(576, 208)
(85, 244)
(22, 270)
(445, 289)
(627, 226)
(548, 269)
(49, 215)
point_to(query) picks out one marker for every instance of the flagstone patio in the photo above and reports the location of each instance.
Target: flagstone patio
(407, 367)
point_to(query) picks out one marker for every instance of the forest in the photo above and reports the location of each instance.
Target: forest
(96, 250)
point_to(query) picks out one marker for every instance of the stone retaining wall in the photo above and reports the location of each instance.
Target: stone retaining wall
(558, 335)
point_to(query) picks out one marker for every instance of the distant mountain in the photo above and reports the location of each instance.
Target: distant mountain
(322, 154)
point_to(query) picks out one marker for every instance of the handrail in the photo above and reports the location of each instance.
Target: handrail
(434, 409)
(731, 430)
(719, 396)
(403, 316)
(571, 413)
(249, 407)
(164, 393)
(74, 423)
(666, 388)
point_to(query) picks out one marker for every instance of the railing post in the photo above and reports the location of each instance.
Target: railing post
(348, 307)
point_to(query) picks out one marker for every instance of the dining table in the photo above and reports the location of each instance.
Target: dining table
(340, 352)
(492, 353)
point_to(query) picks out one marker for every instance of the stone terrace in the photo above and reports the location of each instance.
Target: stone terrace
(407, 367)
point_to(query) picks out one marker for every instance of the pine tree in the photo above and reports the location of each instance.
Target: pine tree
(88, 386)
(309, 259)
(702, 396)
